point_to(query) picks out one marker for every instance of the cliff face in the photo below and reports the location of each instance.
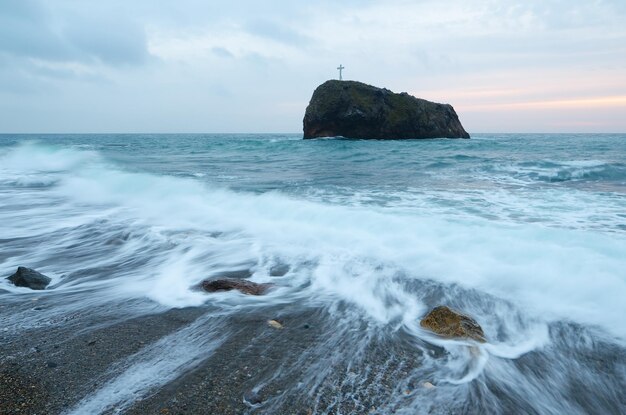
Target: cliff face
(357, 110)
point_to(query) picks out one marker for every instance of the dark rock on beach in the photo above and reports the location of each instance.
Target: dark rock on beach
(253, 397)
(446, 322)
(356, 110)
(229, 284)
(26, 277)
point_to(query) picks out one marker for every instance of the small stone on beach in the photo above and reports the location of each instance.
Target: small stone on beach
(275, 324)
(253, 397)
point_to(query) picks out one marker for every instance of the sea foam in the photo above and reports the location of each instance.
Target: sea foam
(552, 273)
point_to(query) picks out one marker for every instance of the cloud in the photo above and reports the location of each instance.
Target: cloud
(215, 65)
(278, 32)
(221, 52)
(26, 30)
(32, 29)
(109, 42)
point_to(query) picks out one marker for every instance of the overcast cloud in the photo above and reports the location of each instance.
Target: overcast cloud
(250, 66)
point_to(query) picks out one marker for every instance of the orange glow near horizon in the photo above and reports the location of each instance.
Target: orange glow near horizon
(593, 102)
(536, 107)
(549, 95)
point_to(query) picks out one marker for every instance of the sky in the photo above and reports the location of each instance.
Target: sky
(212, 66)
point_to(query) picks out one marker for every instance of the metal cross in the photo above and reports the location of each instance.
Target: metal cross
(341, 68)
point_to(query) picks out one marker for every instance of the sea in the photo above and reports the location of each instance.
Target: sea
(526, 233)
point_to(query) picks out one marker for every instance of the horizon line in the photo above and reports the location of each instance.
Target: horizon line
(289, 133)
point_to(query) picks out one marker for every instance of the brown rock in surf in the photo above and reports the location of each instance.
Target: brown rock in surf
(229, 284)
(452, 324)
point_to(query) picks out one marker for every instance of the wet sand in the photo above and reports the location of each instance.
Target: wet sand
(49, 370)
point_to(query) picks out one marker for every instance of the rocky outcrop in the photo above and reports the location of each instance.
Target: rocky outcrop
(356, 110)
(446, 322)
(26, 277)
(229, 284)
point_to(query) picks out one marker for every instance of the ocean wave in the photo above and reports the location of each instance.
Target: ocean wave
(562, 171)
(122, 244)
(350, 243)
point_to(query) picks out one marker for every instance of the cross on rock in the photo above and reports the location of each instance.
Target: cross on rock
(341, 68)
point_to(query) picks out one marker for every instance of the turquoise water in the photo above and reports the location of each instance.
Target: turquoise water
(510, 177)
(527, 233)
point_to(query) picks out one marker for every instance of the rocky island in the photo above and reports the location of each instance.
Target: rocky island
(356, 110)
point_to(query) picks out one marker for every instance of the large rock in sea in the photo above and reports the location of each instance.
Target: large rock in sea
(356, 110)
(26, 277)
(446, 322)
